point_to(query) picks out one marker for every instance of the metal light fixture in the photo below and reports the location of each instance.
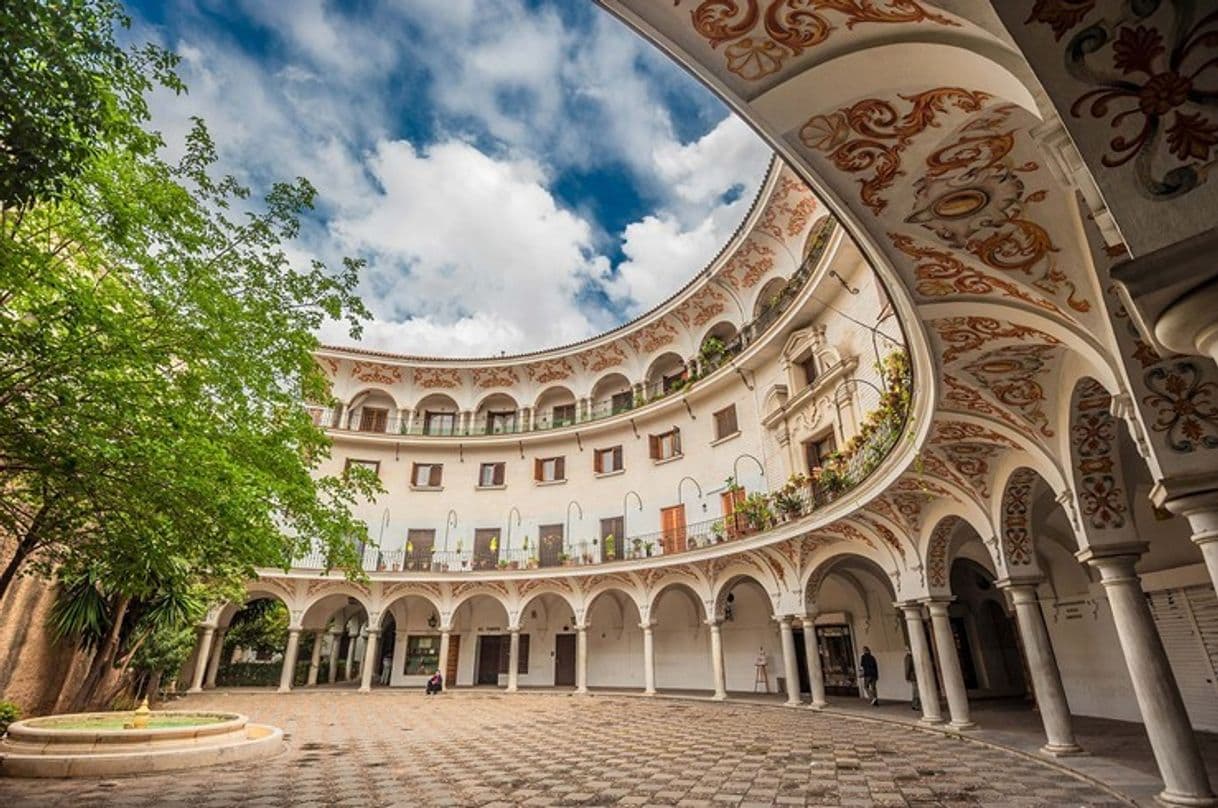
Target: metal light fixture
(433, 621)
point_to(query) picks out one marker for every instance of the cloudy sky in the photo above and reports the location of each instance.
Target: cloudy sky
(518, 173)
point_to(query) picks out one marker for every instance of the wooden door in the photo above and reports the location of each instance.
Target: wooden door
(733, 525)
(672, 524)
(615, 550)
(450, 664)
(488, 660)
(564, 660)
(486, 548)
(373, 419)
(549, 548)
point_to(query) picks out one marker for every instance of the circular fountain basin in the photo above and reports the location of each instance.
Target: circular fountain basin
(97, 745)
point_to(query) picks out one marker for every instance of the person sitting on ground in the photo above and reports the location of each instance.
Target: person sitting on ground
(435, 684)
(871, 675)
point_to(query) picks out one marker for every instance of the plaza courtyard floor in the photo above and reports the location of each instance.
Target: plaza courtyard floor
(394, 748)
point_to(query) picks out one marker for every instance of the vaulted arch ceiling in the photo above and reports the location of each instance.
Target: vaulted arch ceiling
(925, 130)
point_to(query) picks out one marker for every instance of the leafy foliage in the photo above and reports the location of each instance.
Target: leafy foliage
(9, 712)
(261, 627)
(155, 339)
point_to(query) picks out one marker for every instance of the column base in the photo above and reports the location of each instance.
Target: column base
(579, 692)
(195, 690)
(792, 704)
(284, 690)
(1166, 797)
(1062, 749)
(961, 726)
(364, 690)
(718, 697)
(932, 721)
(649, 692)
(511, 690)
(818, 705)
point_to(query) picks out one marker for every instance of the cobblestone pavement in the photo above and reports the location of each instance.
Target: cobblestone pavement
(484, 749)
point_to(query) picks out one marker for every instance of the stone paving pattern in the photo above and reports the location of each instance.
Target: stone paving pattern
(489, 749)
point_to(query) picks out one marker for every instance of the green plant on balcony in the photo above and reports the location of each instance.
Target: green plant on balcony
(756, 510)
(609, 547)
(503, 563)
(718, 531)
(638, 547)
(731, 486)
(712, 350)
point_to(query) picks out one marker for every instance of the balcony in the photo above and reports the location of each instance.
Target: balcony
(392, 423)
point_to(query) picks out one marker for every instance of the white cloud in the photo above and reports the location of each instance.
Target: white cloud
(470, 251)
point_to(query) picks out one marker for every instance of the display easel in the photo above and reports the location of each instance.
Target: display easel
(762, 673)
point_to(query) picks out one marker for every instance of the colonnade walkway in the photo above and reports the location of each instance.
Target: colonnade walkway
(1118, 753)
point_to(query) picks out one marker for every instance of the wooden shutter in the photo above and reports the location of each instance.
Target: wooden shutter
(499, 472)
(598, 461)
(654, 444)
(560, 468)
(434, 475)
(537, 469)
(676, 442)
(617, 458)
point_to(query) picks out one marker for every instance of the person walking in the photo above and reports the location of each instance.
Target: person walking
(911, 676)
(871, 675)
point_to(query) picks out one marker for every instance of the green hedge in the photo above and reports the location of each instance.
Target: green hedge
(266, 674)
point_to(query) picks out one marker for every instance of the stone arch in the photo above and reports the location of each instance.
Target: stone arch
(355, 399)
(391, 602)
(942, 544)
(607, 386)
(337, 587)
(724, 330)
(724, 586)
(765, 296)
(663, 365)
(687, 588)
(465, 597)
(1016, 548)
(576, 607)
(1093, 452)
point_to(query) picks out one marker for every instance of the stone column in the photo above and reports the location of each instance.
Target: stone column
(649, 659)
(369, 665)
(289, 660)
(581, 659)
(816, 676)
(217, 656)
(514, 661)
(789, 666)
(924, 666)
(1046, 678)
(949, 665)
(349, 671)
(1200, 508)
(202, 653)
(335, 647)
(315, 659)
(1171, 735)
(445, 639)
(716, 650)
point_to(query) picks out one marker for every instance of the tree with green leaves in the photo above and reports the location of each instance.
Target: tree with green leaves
(156, 342)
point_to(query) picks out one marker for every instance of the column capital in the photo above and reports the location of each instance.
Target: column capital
(580, 626)
(784, 619)
(373, 632)
(938, 605)
(713, 622)
(295, 629)
(1018, 583)
(1113, 555)
(447, 629)
(911, 608)
(647, 625)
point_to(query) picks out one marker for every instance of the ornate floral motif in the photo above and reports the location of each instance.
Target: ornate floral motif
(1160, 75)
(437, 378)
(1016, 503)
(652, 337)
(797, 213)
(376, 372)
(887, 535)
(759, 44)
(847, 531)
(1186, 406)
(1060, 15)
(1010, 373)
(871, 135)
(749, 265)
(973, 197)
(973, 461)
(960, 396)
(551, 370)
(940, 274)
(1093, 438)
(705, 304)
(936, 551)
(967, 334)
(332, 364)
(958, 431)
(605, 356)
(486, 378)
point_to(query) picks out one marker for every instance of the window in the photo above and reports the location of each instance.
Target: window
(427, 475)
(672, 526)
(563, 414)
(491, 475)
(666, 445)
(809, 368)
(613, 538)
(817, 451)
(373, 465)
(486, 548)
(505, 653)
(607, 460)
(422, 655)
(549, 545)
(439, 423)
(725, 422)
(500, 423)
(549, 469)
(373, 419)
(621, 402)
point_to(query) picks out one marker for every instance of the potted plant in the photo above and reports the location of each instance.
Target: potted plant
(712, 350)
(638, 547)
(648, 547)
(609, 547)
(756, 510)
(565, 559)
(503, 563)
(717, 531)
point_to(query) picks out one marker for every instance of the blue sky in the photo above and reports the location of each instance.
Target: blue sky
(518, 173)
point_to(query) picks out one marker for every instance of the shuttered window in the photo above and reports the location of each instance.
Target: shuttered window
(491, 474)
(373, 419)
(549, 469)
(563, 414)
(427, 475)
(373, 465)
(1187, 620)
(607, 460)
(665, 445)
(725, 422)
(505, 653)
